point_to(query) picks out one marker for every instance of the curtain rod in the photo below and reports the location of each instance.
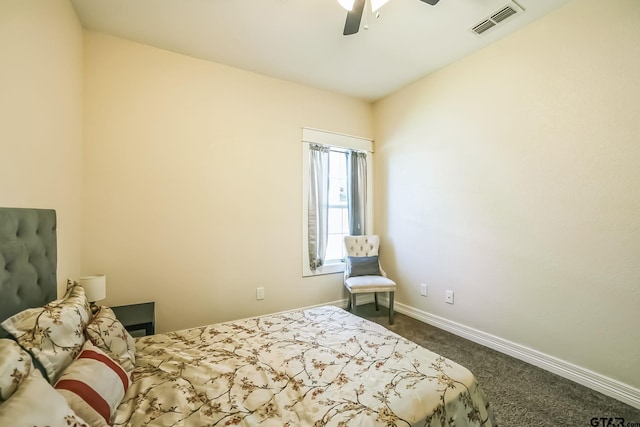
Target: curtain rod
(334, 139)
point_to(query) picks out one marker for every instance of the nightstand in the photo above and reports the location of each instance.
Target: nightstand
(138, 319)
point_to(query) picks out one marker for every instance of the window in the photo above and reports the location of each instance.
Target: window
(338, 218)
(326, 158)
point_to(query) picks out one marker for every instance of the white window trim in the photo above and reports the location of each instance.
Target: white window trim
(316, 136)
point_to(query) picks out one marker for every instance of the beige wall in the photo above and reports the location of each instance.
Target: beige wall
(192, 183)
(511, 177)
(41, 117)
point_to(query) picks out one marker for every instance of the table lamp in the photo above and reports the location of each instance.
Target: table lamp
(95, 288)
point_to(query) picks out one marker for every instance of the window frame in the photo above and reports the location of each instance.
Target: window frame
(339, 141)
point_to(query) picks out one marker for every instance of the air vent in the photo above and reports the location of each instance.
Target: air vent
(503, 14)
(498, 17)
(483, 26)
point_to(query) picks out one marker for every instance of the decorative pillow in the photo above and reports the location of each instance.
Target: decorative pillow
(15, 365)
(36, 403)
(93, 385)
(107, 333)
(363, 266)
(53, 334)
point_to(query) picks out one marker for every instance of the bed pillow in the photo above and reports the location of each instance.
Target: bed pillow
(37, 403)
(107, 333)
(93, 385)
(15, 365)
(363, 266)
(53, 334)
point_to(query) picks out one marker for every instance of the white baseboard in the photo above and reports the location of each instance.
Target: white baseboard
(605, 385)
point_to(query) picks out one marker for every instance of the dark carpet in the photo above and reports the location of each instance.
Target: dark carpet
(520, 394)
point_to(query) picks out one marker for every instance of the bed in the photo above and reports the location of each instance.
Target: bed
(62, 364)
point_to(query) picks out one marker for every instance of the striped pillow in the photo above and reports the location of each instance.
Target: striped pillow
(93, 385)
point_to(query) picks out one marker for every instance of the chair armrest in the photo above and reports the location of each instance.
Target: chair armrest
(382, 272)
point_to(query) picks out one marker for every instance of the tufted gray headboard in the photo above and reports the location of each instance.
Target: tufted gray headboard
(28, 259)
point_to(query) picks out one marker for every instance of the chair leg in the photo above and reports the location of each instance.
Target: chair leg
(375, 299)
(353, 303)
(391, 308)
(349, 302)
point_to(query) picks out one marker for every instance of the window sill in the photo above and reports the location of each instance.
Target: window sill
(332, 268)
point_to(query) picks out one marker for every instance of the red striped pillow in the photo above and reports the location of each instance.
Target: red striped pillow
(93, 385)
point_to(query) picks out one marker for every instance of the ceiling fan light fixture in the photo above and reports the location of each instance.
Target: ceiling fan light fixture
(347, 4)
(377, 4)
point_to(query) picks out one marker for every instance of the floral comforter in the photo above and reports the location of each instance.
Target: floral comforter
(317, 367)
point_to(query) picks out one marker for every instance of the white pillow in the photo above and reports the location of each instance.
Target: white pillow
(15, 365)
(53, 334)
(36, 403)
(93, 385)
(107, 333)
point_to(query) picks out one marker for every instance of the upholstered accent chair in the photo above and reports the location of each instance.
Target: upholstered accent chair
(363, 272)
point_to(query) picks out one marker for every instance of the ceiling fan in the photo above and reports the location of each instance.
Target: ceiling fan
(355, 9)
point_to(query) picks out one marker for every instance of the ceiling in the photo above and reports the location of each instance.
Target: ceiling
(301, 40)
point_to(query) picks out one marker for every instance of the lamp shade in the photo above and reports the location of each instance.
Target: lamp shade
(95, 287)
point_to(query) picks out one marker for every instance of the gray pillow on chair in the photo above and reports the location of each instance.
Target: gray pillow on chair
(363, 266)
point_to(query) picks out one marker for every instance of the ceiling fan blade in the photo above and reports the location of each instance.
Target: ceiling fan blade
(431, 2)
(353, 18)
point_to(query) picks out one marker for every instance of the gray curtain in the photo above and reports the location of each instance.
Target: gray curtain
(318, 204)
(357, 192)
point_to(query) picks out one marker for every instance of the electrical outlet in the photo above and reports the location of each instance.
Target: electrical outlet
(448, 297)
(259, 293)
(423, 289)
